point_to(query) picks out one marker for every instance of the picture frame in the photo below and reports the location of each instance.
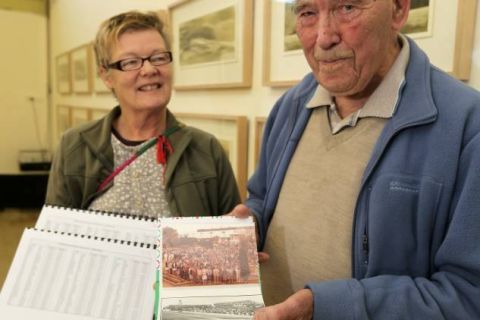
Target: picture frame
(64, 119)
(164, 16)
(420, 19)
(62, 66)
(81, 69)
(232, 132)
(284, 64)
(80, 115)
(456, 42)
(97, 113)
(212, 44)
(98, 86)
(259, 127)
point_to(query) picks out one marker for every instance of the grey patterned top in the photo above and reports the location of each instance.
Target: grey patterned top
(139, 188)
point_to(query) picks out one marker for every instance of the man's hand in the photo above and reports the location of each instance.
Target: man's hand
(242, 211)
(298, 306)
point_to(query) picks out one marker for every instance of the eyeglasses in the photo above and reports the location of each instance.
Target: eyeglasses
(157, 59)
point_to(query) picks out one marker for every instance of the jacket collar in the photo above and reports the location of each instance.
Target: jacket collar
(415, 106)
(97, 138)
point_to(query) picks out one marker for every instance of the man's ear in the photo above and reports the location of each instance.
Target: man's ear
(400, 13)
(105, 76)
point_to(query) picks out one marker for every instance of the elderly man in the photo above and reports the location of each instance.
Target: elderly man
(367, 193)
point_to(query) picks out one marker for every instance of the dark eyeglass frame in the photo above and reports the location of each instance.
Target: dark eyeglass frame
(118, 64)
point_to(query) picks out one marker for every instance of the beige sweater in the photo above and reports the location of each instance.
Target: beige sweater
(310, 235)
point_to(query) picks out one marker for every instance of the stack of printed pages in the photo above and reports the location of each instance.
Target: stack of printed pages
(85, 265)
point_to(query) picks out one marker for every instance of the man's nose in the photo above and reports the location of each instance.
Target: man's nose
(327, 32)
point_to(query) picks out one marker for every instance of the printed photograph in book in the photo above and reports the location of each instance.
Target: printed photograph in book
(209, 268)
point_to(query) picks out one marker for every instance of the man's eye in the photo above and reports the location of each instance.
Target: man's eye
(346, 8)
(306, 14)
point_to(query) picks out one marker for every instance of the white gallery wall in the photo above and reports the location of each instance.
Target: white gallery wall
(23, 86)
(73, 23)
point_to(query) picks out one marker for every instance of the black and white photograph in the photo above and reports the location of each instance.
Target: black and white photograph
(211, 307)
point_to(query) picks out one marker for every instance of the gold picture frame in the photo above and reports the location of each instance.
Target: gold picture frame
(232, 132)
(259, 128)
(80, 115)
(97, 113)
(62, 66)
(212, 43)
(98, 86)
(420, 19)
(64, 119)
(80, 58)
(284, 64)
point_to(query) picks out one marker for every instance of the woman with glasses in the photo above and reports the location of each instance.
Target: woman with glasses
(139, 159)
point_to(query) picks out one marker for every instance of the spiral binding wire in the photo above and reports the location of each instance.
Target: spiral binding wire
(110, 240)
(105, 213)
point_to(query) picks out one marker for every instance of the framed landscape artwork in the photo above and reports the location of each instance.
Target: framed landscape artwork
(64, 120)
(64, 84)
(80, 115)
(97, 82)
(97, 113)
(446, 38)
(81, 69)
(212, 43)
(259, 126)
(283, 61)
(420, 19)
(232, 132)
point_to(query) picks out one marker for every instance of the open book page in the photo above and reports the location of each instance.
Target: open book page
(59, 276)
(100, 224)
(209, 269)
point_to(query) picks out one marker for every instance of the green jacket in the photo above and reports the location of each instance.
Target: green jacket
(199, 177)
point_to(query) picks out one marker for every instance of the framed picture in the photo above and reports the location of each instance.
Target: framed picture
(64, 84)
(80, 115)
(283, 61)
(64, 119)
(81, 69)
(420, 19)
(212, 43)
(165, 18)
(232, 132)
(259, 126)
(453, 33)
(97, 113)
(97, 83)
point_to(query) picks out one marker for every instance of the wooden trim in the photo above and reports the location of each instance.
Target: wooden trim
(465, 30)
(241, 136)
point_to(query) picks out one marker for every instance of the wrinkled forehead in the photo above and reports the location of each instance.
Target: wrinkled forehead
(306, 3)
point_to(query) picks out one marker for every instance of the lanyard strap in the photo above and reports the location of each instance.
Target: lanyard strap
(164, 148)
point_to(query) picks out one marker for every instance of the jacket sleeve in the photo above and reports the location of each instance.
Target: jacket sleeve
(257, 184)
(57, 191)
(452, 291)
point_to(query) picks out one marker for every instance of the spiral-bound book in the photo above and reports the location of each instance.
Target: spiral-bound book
(82, 265)
(207, 269)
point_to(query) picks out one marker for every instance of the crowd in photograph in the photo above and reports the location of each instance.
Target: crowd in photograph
(210, 261)
(239, 308)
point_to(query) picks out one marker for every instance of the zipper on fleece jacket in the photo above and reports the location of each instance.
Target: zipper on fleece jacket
(364, 252)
